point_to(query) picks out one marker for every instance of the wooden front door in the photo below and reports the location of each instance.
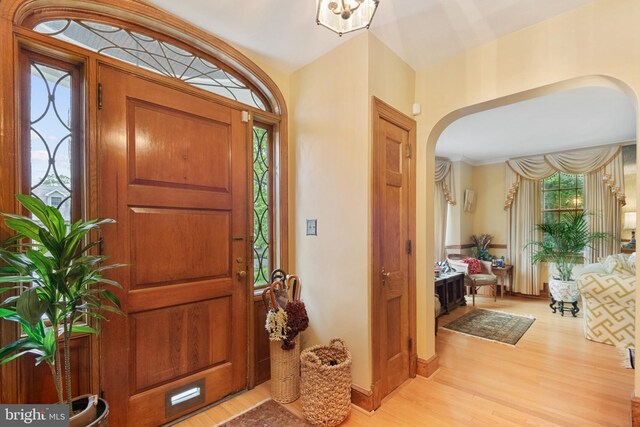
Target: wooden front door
(173, 173)
(394, 271)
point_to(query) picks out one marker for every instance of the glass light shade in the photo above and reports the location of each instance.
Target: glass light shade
(345, 16)
(629, 220)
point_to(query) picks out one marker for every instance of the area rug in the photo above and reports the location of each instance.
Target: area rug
(265, 414)
(492, 325)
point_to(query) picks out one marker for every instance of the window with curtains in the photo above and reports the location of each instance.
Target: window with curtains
(561, 193)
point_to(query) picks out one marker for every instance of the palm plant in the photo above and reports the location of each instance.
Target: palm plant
(55, 285)
(564, 241)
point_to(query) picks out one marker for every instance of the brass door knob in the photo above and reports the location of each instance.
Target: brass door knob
(242, 274)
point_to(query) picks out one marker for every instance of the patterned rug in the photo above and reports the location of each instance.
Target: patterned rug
(492, 325)
(265, 414)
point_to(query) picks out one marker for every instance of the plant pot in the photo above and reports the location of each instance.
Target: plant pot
(94, 412)
(563, 290)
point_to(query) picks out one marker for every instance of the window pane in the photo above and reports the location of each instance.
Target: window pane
(50, 129)
(550, 200)
(261, 206)
(580, 181)
(550, 217)
(551, 183)
(568, 199)
(567, 181)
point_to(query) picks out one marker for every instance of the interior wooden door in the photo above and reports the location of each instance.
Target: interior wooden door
(173, 173)
(394, 296)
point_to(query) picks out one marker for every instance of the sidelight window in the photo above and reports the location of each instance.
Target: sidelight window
(51, 160)
(262, 205)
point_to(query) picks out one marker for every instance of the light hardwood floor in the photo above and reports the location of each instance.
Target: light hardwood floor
(553, 377)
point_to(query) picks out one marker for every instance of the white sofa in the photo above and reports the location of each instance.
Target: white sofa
(608, 292)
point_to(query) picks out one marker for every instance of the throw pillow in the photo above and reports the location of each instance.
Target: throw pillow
(631, 262)
(617, 264)
(474, 265)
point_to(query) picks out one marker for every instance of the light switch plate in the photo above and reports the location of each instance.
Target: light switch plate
(312, 227)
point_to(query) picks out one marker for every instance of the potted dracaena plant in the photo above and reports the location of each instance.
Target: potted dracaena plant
(56, 288)
(563, 244)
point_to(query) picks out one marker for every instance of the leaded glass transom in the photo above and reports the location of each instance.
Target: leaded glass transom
(152, 54)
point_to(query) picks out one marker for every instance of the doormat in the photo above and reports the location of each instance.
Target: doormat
(265, 414)
(492, 325)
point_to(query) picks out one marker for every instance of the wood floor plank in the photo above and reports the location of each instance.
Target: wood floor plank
(552, 377)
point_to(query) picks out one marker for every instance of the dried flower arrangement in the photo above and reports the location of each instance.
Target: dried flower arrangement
(286, 314)
(481, 246)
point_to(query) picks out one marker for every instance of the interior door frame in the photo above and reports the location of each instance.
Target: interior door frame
(383, 111)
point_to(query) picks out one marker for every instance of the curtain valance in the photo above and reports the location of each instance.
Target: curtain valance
(606, 159)
(444, 175)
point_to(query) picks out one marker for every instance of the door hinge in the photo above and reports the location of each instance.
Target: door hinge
(409, 151)
(99, 96)
(245, 117)
(409, 248)
(410, 344)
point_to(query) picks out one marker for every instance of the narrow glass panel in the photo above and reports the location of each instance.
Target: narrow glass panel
(261, 206)
(50, 129)
(151, 54)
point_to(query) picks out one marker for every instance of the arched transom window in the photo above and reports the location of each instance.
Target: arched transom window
(155, 55)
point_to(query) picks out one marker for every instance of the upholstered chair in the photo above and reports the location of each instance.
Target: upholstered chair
(473, 281)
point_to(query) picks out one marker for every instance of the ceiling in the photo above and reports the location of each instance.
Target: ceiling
(421, 32)
(561, 121)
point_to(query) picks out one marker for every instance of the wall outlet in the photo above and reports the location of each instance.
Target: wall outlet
(312, 227)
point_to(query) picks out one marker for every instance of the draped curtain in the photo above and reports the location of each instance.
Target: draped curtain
(603, 192)
(445, 196)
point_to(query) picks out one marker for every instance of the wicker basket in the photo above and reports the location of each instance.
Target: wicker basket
(285, 371)
(326, 388)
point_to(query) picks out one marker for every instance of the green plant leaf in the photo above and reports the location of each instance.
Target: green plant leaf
(30, 308)
(24, 226)
(83, 328)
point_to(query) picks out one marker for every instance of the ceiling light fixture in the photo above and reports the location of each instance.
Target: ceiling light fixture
(345, 16)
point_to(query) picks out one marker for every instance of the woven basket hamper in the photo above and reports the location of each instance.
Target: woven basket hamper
(285, 371)
(326, 388)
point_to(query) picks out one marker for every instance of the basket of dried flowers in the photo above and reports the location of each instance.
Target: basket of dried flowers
(286, 318)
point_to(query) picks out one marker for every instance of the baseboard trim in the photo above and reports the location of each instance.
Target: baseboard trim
(635, 411)
(426, 368)
(362, 398)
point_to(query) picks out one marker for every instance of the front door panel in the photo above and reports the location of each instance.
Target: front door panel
(173, 174)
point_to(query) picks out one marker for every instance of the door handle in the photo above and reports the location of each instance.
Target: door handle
(242, 274)
(385, 276)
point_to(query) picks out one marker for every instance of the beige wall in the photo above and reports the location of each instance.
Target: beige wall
(490, 216)
(329, 112)
(594, 40)
(331, 125)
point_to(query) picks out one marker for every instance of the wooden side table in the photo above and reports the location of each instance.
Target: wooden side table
(503, 272)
